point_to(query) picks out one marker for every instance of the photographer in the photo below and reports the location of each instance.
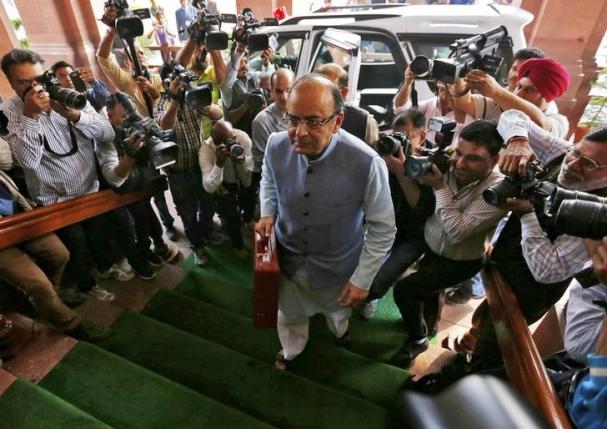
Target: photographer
(55, 146)
(195, 206)
(454, 235)
(535, 258)
(226, 163)
(96, 94)
(146, 224)
(357, 121)
(539, 82)
(413, 204)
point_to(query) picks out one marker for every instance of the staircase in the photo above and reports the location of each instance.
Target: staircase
(192, 359)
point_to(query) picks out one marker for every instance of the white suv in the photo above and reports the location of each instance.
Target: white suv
(375, 43)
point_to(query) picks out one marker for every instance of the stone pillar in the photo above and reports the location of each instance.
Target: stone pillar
(8, 41)
(569, 32)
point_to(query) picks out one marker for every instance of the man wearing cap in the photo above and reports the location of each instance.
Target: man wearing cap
(539, 82)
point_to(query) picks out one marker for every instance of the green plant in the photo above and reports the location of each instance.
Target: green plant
(595, 113)
(17, 24)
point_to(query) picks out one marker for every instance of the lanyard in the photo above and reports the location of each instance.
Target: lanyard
(71, 152)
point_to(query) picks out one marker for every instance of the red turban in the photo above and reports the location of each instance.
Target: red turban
(549, 77)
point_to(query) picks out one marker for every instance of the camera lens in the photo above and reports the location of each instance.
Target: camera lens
(585, 219)
(421, 66)
(387, 145)
(68, 97)
(417, 166)
(497, 194)
(236, 150)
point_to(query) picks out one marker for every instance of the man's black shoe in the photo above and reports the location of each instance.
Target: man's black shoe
(409, 351)
(70, 297)
(344, 341)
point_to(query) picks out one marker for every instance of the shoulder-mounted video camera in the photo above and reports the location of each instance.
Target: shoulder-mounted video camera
(195, 96)
(417, 166)
(159, 149)
(67, 97)
(246, 31)
(570, 212)
(476, 52)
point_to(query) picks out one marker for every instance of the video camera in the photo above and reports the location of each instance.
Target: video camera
(572, 212)
(67, 97)
(246, 32)
(417, 166)
(159, 148)
(476, 52)
(195, 96)
(256, 99)
(389, 144)
(233, 147)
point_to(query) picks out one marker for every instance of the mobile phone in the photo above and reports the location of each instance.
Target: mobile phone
(79, 84)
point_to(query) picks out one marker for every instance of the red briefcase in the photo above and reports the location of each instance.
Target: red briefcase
(266, 283)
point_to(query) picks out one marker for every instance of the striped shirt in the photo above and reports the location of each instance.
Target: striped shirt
(51, 178)
(462, 220)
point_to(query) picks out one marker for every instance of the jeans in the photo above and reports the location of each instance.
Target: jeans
(402, 255)
(417, 296)
(195, 205)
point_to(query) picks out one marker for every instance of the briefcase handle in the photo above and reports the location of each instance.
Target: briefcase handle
(265, 246)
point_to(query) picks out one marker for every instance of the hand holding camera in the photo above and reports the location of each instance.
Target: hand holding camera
(146, 87)
(68, 113)
(213, 111)
(483, 82)
(396, 162)
(110, 14)
(433, 178)
(518, 154)
(176, 89)
(132, 145)
(222, 153)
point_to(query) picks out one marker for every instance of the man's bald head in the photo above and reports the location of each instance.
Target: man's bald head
(222, 131)
(282, 74)
(280, 84)
(336, 74)
(317, 81)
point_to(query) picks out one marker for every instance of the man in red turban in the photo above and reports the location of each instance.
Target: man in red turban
(539, 82)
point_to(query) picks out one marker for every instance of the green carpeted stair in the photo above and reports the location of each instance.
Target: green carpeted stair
(192, 359)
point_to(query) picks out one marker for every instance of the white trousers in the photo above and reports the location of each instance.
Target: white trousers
(296, 303)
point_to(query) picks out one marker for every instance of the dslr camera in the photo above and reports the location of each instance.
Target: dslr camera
(389, 144)
(417, 166)
(233, 147)
(159, 148)
(67, 97)
(256, 99)
(576, 213)
(195, 96)
(476, 52)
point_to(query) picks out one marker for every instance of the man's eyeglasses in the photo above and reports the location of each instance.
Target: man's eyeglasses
(312, 124)
(586, 164)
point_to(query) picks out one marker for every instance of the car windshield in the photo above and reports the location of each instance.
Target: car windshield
(286, 54)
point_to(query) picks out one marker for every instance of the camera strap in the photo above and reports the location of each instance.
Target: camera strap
(72, 151)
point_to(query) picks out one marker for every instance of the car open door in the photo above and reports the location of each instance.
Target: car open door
(343, 48)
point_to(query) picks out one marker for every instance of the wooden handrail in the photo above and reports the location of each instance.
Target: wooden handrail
(522, 360)
(34, 223)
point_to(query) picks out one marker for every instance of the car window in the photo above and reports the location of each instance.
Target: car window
(375, 51)
(286, 54)
(331, 54)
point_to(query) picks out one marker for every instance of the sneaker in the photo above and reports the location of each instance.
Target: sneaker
(102, 294)
(168, 253)
(145, 272)
(154, 260)
(171, 233)
(200, 257)
(88, 331)
(114, 272)
(124, 266)
(70, 297)
(368, 309)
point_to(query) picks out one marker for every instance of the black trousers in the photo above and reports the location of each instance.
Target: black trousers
(417, 296)
(122, 231)
(147, 226)
(229, 208)
(84, 239)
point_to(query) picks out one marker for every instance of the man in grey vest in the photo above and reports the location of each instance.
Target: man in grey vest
(318, 185)
(357, 121)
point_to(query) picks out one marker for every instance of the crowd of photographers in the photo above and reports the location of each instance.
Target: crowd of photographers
(478, 163)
